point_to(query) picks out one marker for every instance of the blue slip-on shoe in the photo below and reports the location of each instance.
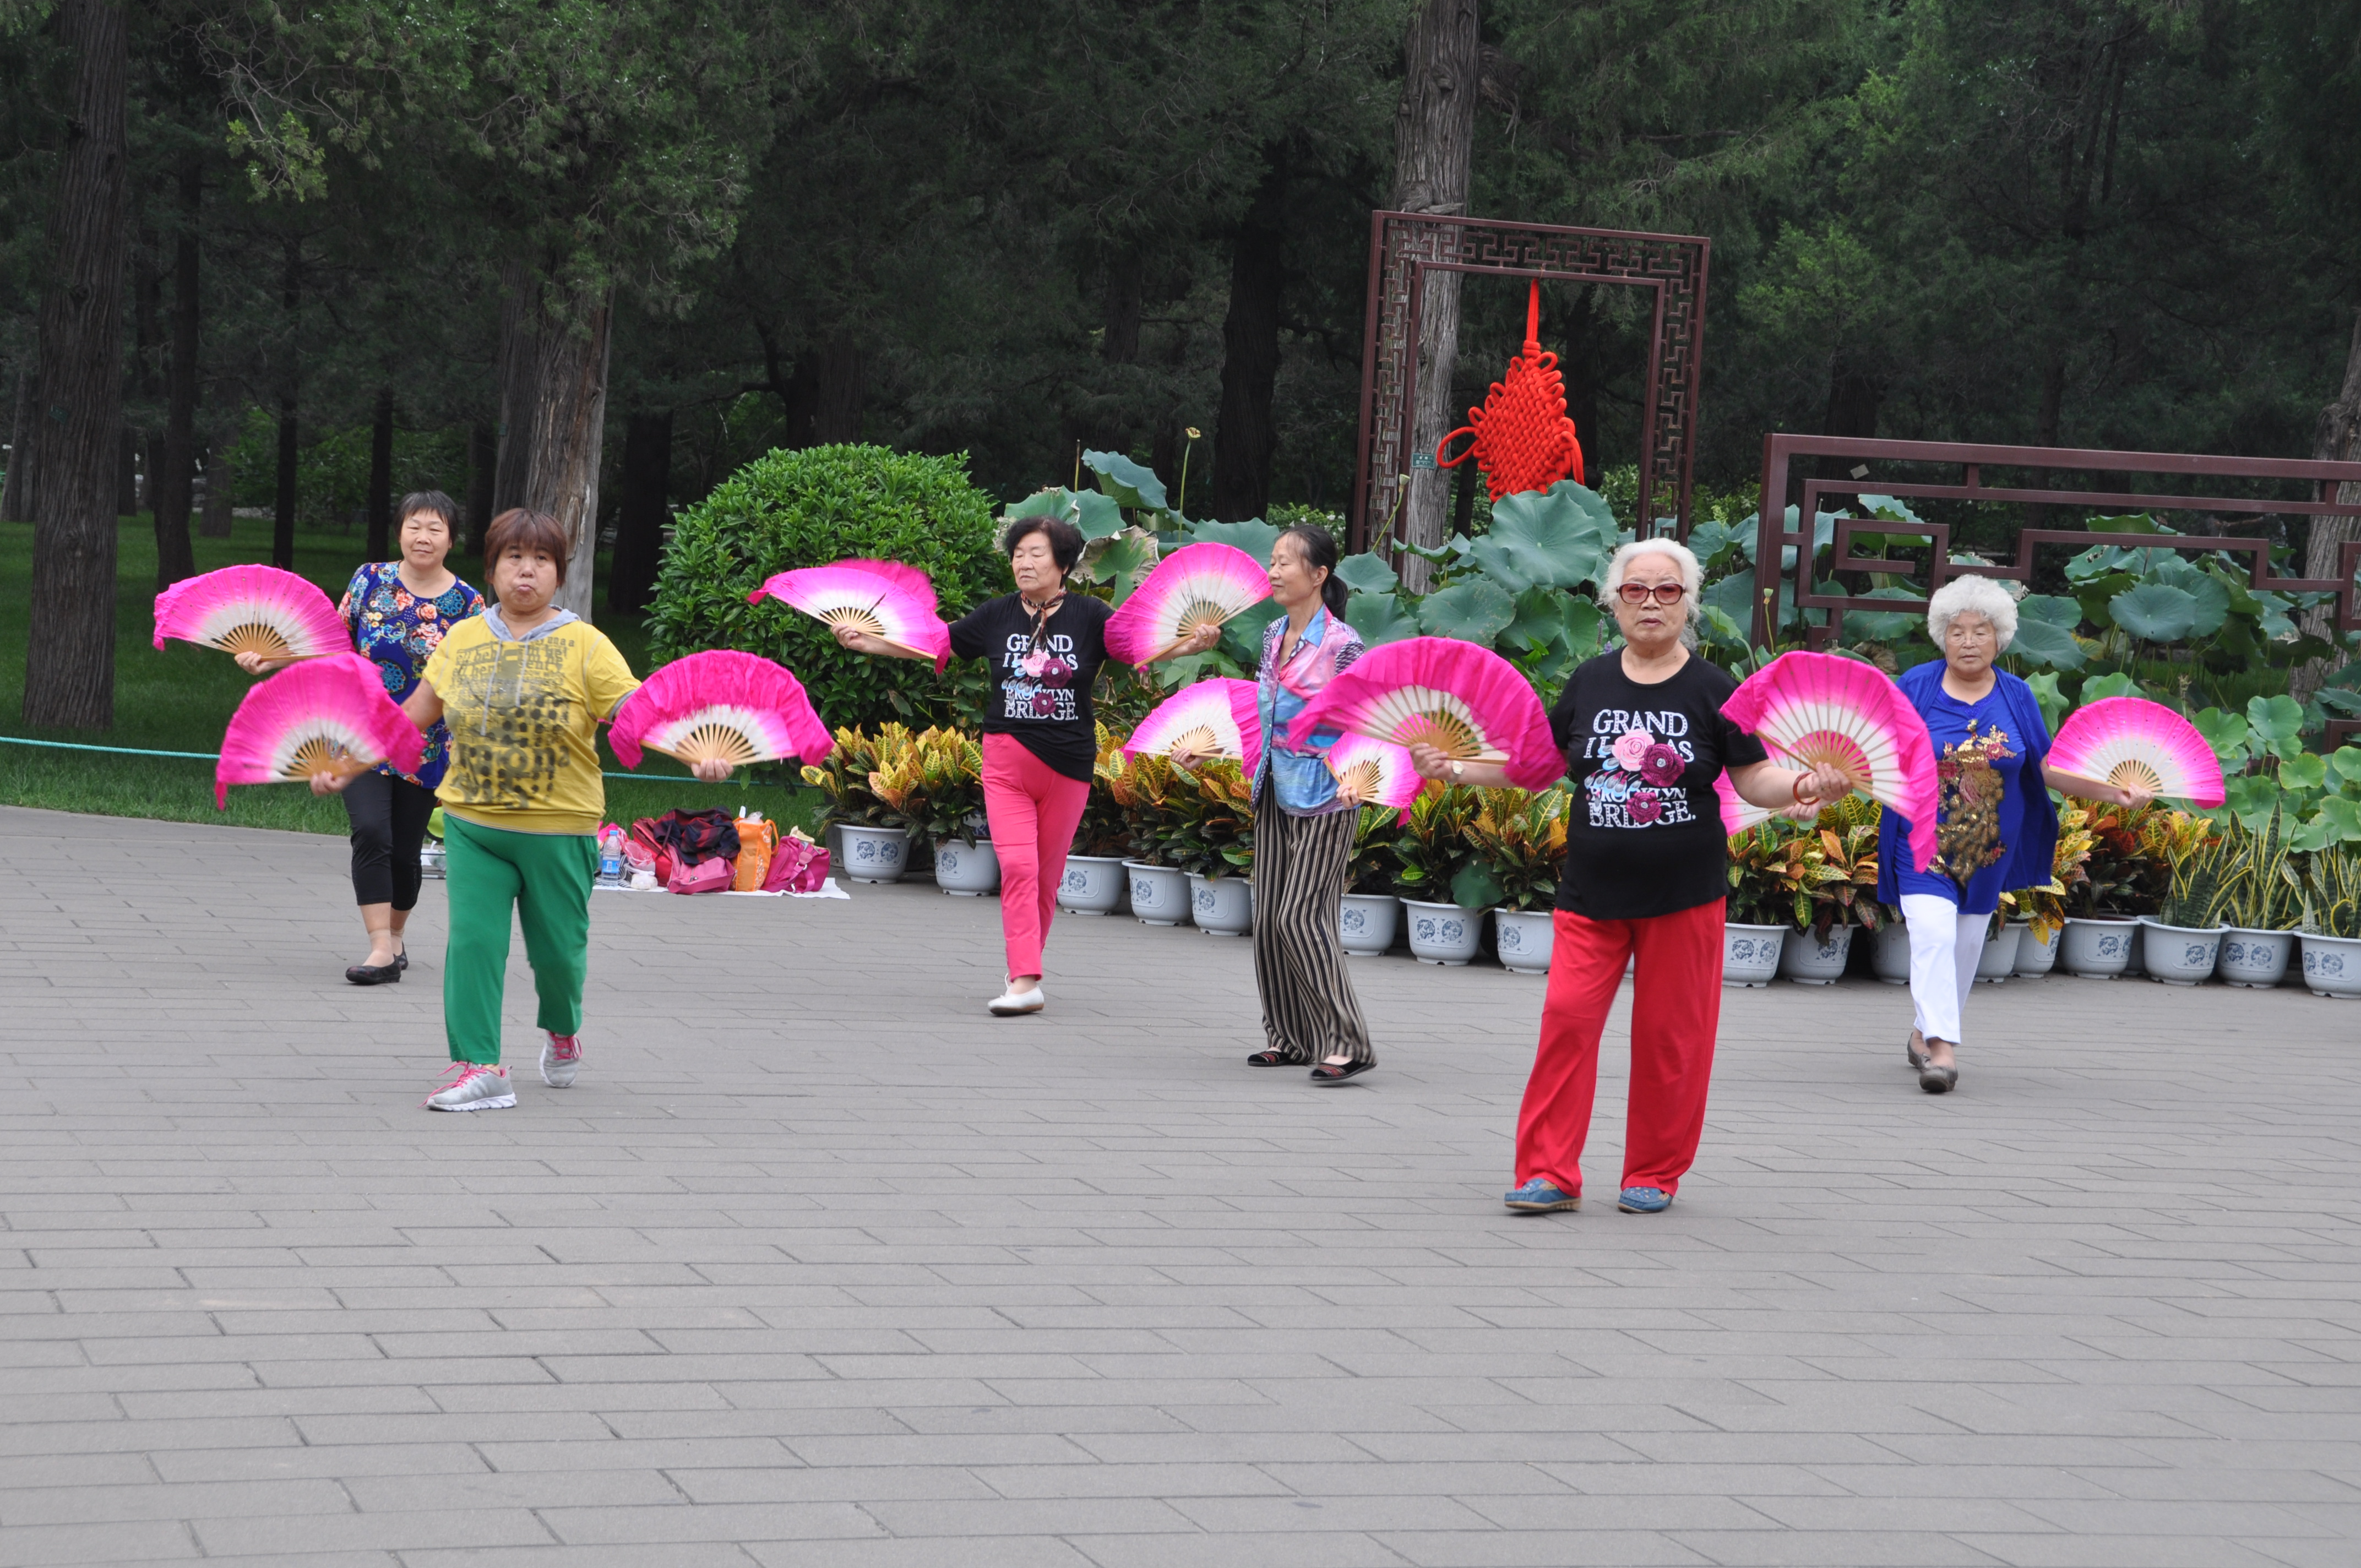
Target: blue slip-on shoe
(1538, 1197)
(1645, 1201)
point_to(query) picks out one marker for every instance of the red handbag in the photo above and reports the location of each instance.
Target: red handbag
(706, 876)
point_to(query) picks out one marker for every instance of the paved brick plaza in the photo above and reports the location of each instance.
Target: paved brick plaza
(822, 1266)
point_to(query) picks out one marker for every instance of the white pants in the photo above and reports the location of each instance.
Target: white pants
(1945, 947)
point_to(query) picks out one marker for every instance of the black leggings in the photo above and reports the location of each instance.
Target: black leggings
(388, 824)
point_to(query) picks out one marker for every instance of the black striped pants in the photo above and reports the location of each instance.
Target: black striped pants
(1309, 1011)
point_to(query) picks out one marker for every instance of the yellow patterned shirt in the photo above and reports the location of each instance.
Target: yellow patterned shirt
(525, 723)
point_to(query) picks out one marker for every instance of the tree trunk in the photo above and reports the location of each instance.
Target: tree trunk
(1435, 134)
(70, 657)
(170, 486)
(1853, 398)
(639, 521)
(380, 479)
(518, 359)
(483, 460)
(283, 526)
(17, 498)
(836, 413)
(1119, 341)
(1245, 432)
(566, 432)
(2335, 439)
(221, 483)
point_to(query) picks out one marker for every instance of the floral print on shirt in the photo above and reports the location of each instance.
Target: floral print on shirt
(397, 631)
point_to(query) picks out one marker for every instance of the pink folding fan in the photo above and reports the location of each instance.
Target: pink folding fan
(1197, 585)
(1738, 814)
(1214, 718)
(883, 598)
(252, 610)
(737, 708)
(1467, 702)
(2128, 740)
(330, 713)
(1818, 708)
(1373, 772)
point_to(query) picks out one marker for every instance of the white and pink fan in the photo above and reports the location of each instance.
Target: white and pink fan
(1212, 718)
(1196, 585)
(1818, 708)
(1467, 702)
(1738, 814)
(735, 707)
(1373, 772)
(883, 598)
(253, 609)
(330, 713)
(2130, 741)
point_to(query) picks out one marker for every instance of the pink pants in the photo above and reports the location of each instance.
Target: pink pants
(1675, 1011)
(1033, 810)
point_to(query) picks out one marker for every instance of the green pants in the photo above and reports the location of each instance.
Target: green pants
(546, 876)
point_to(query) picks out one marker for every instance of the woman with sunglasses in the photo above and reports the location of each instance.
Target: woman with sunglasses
(1646, 875)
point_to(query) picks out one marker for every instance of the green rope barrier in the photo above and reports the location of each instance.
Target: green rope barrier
(215, 757)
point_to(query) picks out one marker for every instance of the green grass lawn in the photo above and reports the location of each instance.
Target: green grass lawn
(180, 698)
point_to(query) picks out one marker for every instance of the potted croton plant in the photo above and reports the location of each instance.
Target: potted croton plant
(1760, 908)
(934, 787)
(1432, 857)
(1209, 835)
(1094, 883)
(2121, 880)
(1143, 788)
(863, 839)
(1835, 875)
(1370, 914)
(1518, 843)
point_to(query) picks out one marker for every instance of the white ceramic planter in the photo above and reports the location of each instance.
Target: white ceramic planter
(431, 861)
(1998, 960)
(1366, 923)
(2034, 958)
(1523, 939)
(874, 854)
(2097, 949)
(2254, 959)
(1222, 906)
(1807, 960)
(1749, 954)
(1093, 885)
(1443, 933)
(1892, 958)
(2180, 955)
(2332, 966)
(967, 871)
(1159, 895)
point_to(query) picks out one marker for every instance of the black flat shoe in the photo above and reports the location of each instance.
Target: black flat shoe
(1325, 1075)
(1938, 1079)
(401, 960)
(1273, 1058)
(374, 974)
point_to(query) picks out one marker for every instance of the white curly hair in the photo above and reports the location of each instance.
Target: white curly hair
(1971, 596)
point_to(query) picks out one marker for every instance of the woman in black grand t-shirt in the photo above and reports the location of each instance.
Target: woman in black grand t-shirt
(1045, 647)
(1645, 876)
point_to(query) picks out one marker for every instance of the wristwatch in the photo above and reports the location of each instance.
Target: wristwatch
(1458, 768)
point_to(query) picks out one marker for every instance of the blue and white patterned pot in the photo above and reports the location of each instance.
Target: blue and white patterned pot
(1366, 923)
(1443, 933)
(2180, 955)
(1222, 906)
(1892, 958)
(967, 870)
(2257, 959)
(1159, 895)
(1523, 939)
(2097, 949)
(2036, 957)
(874, 854)
(1093, 885)
(1807, 960)
(1749, 954)
(1998, 960)
(2331, 965)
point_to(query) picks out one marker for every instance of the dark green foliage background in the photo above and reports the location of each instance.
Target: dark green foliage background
(811, 507)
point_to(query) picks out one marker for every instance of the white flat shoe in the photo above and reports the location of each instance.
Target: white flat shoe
(1011, 1001)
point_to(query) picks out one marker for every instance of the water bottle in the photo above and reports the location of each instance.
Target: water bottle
(610, 857)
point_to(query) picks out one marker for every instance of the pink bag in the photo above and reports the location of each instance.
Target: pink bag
(797, 865)
(706, 876)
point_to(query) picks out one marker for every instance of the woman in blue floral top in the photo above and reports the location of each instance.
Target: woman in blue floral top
(398, 611)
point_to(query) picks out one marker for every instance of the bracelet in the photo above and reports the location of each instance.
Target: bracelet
(1795, 790)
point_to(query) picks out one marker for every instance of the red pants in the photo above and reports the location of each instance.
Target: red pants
(1676, 1008)
(1033, 810)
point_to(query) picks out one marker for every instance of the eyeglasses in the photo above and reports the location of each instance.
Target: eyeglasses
(1640, 593)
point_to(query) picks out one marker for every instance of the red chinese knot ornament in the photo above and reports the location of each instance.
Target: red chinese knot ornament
(1520, 438)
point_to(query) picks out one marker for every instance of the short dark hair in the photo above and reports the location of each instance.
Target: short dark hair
(1065, 539)
(435, 502)
(517, 528)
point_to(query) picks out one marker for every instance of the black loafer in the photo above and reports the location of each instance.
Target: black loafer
(1324, 1075)
(401, 960)
(374, 974)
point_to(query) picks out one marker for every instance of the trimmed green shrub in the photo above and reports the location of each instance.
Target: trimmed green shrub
(807, 509)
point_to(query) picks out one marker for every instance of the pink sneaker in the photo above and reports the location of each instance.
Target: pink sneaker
(473, 1087)
(560, 1060)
